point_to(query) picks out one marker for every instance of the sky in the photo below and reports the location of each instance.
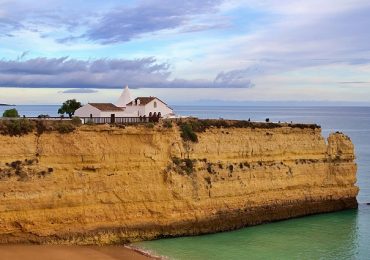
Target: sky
(187, 51)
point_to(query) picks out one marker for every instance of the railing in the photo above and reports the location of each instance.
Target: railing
(94, 120)
(117, 120)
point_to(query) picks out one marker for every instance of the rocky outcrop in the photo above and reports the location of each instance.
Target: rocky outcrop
(101, 185)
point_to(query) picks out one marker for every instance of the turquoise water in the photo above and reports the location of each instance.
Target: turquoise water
(341, 235)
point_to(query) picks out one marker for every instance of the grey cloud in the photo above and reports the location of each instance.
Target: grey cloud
(354, 82)
(27, 15)
(7, 26)
(119, 24)
(104, 73)
(79, 91)
(240, 78)
(309, 40)
(123, 24)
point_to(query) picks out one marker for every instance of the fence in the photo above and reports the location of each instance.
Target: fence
(116, 120)
(95, 120)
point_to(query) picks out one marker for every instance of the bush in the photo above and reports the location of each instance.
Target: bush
(16, 127)
(183, 166)
(76, 121)
(189, 166)
(65, 127)
(176, 160)
(40, 127)
(167, 124)
(188, 134)
(11, 113)
(89, 122)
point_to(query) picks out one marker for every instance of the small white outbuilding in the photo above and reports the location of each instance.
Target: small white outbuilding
(99, 110)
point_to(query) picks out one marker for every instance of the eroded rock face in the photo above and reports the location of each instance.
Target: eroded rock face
(112, 185)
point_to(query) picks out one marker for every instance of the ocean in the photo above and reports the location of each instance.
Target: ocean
(341, 235)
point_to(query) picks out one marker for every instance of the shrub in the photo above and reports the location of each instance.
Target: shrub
(76, 121)
(200, 125)
(176, 160)
(65, 127)
(188, 134)
(15, 164)
(11, 113)
(40, 127)
(16, 127)
(167, 124)
(209, 168)
(149, 125)
(189, 166)
(90, 122)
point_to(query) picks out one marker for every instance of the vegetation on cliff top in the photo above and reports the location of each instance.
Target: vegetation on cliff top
(190, 127)
(11, 113)
(200, 125)
(19, 127)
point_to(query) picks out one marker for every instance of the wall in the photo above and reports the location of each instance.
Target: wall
(161, 107)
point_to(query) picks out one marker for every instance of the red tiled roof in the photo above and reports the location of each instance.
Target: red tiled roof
(106, 107)
(144, 100)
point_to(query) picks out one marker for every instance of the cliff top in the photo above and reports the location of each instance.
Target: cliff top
(18, 127)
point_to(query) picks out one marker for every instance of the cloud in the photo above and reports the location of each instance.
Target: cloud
(104, 73)
(7, 26)
(354, 82)
(125, 23)
(301, 34)
(79, 91)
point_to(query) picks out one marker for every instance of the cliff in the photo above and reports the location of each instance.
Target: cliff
(102, 184)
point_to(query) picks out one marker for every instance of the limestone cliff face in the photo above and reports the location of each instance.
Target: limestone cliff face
(103, 185)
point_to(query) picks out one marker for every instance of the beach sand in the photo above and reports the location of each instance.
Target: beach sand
(51, 252)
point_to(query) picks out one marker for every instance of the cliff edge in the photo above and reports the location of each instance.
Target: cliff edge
(105, 185)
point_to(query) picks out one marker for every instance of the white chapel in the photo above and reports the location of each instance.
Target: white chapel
(126, 106)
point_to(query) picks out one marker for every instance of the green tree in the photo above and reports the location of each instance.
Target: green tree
(11, 113)
(69, 107)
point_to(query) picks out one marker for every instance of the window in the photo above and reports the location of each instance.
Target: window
(155, 104)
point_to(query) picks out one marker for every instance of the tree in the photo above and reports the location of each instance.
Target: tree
(69, 107)
(11, 113)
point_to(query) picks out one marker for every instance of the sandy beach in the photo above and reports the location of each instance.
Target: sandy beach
(51, 252)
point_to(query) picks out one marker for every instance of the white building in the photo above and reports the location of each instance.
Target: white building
(149, 106)
(100, 110)
(127, 107)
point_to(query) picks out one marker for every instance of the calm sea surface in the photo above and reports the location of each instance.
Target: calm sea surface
(342, 235)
